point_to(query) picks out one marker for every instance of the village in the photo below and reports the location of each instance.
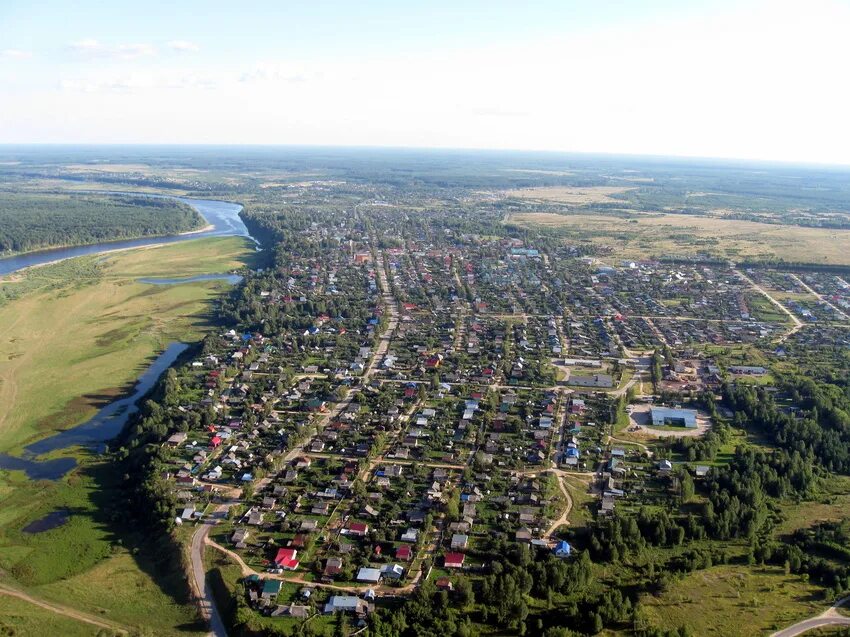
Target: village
(413, 402)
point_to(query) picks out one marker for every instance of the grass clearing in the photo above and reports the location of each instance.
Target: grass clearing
(734, 601)
(23, 619)
(119, 590)
(571, 195)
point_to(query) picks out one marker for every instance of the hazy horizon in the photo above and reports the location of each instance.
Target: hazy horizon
(753, 80)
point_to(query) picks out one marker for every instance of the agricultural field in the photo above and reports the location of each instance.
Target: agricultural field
(643, 236)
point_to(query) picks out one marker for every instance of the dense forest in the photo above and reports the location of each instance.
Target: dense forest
(34, 221)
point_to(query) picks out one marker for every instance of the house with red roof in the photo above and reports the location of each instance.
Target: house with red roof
(404, 553)
(359, 529)
(454, 560)
(286, 558)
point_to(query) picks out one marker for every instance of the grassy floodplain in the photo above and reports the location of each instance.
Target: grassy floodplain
(81, 331)
(73, 336)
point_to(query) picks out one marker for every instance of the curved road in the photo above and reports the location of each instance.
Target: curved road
(830, 617)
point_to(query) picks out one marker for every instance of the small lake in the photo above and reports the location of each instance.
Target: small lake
(222, 215)
(52, 520)
(232, 279)
(105, 425)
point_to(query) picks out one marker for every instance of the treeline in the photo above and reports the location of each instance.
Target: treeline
(816, 427)
(35, 221)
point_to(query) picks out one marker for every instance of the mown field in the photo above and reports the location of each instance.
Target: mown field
(643, 236)
(73, 336)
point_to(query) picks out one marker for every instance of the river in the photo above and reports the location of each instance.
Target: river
(107, 423)
(223, 216)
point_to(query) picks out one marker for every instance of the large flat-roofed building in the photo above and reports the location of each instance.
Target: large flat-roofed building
(669, 416)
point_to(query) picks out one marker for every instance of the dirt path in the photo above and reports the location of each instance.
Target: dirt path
(798, 324)
(561, 521)
(630, 442)
(203, 593)
(62, 610)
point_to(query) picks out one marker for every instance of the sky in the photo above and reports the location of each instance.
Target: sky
(750, 79)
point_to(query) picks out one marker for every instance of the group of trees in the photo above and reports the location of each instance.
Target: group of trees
(34, 221)
(815, 425)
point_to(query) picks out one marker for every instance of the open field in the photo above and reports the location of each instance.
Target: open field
(69, 346)
(23, 619)
(117, 589)
(742, 601)
(645, 235)
(575, 196)
(833, 505)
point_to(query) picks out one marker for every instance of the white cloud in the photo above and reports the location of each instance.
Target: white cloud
(16, 54)
(90, 47)
(139, 82)
(183, 46)
(275, 72)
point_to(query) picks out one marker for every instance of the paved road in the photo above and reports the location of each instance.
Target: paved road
(830, 617)
(204, 593)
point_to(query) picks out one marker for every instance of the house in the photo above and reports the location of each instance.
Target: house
(411, 535)
(315, 405)
(562, 549)
(524, 534)
(239, 536)
(346, 604)
(404, 553)
(271, 588)
(459, 541)
(454, 560)
(286, 558)
(177, 439)
(444, 584)
(360, 529)
(333, 567)
(665, 467)
(662, 416)
(392, 571)
(371, 575)
(309, 525)
(748, 370)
